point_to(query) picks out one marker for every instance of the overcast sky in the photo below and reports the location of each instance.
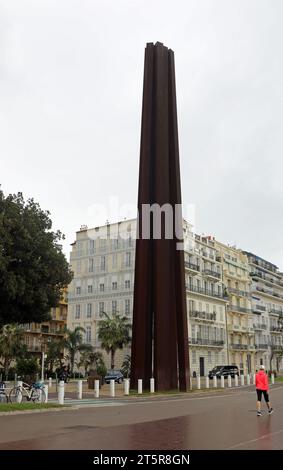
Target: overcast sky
(71, 75)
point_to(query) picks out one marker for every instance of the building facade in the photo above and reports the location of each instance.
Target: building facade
(234, 299)
(240, 331)
(267, 311)
(38, 335)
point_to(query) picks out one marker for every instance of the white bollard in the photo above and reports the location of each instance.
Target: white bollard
(236, 381)
(229, 381)
(20, 395)
(45, 389)
(152, 385)
(80, 389)
(242, 379)
(126, 386)
(112, 388)
(96, 388)
(61, 392)
(50, 382)
(248, 379)
(139, 386)
(207, 382)
(198, 382)
(214, 381)
(222, 381)
(272, 379)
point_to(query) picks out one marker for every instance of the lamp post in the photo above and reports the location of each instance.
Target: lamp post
(43, 356)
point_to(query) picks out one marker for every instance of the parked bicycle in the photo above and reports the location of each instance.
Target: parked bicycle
(34, 393)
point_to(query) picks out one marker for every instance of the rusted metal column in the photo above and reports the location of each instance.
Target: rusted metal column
(160, 331)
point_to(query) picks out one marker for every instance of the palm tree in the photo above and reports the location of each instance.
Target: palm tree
(126, 366)
(55, 353)
(114, 333)
(89, 358)
(73, 343)
(11, 345)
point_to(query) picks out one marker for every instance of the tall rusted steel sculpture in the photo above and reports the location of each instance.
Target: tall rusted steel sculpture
(160, 332)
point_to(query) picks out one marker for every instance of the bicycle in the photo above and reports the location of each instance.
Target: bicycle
(33, 392)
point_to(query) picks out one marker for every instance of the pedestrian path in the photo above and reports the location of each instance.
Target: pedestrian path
(89, 401)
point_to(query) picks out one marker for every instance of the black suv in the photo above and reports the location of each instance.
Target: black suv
(224, 371)
(114, 375)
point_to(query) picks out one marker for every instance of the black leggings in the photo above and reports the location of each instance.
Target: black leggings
(260, 393)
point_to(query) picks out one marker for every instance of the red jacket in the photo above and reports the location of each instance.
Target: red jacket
(261, 380)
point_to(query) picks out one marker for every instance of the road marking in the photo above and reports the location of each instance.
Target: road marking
(254, 440)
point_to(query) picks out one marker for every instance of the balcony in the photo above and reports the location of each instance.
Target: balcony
(201, 290)
(207, 342)
(201, 315)
(258, 308)
(238, 328)
(237, 308)
(242, 347)
(213, 275)
(260, 326)
(261, 346)
(277, 347)
(276, 329)
(192, 266)
(241, 293)
(269, 292)
(276, 311)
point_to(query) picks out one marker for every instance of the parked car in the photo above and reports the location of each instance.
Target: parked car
(114, 375)
(224, 371)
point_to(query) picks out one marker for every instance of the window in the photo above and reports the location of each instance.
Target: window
(88, 310)
(89, 289)
(127, 284)
(78, 267)
(128, 259)
(102, 263)
(209, 357)
(101, 287)
(91, 265)
(194, 357)
(101, 308)
(78, 290)
(78, 311)
(130, 241)
(114, 285)
(114, 306)
(114, 260)
(88, 334)
(91, 247)
(127, 306)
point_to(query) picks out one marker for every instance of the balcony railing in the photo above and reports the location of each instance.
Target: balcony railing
(242, 293)
(260, 326)
(277, 347)
(207, 342)
(239, 346)
(203, 291)
(237, 308)
(193, 266)
(261, 345)
(276, 329)
(202, 315)
(210, 273)
(276, 311)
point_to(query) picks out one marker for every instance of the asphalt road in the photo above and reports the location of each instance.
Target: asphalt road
(204, 421)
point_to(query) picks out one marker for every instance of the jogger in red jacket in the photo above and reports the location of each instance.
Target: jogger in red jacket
(261, 385)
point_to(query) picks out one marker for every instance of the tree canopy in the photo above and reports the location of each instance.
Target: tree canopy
(114, 333)
(33, 268)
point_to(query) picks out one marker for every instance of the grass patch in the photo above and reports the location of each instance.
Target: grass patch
(279, 379)
(27, 406)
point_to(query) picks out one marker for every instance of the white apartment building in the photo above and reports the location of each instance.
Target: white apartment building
(103, 263)
(267, 309)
